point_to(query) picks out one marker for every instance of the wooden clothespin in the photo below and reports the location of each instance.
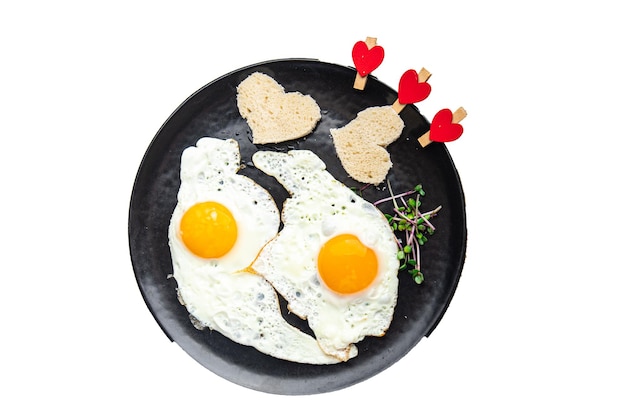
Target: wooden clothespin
(413, 87)
(445, 127)
(367, 56)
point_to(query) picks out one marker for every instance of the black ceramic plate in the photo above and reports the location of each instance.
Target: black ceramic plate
(212, 111)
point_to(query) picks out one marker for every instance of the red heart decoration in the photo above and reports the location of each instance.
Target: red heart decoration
(411, 90)
(442, 129)
(365, 59)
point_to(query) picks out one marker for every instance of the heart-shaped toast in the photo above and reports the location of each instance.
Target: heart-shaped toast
(361, 144)
(272, 114)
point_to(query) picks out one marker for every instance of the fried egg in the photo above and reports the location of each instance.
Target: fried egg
(220, 223)
(335, 259)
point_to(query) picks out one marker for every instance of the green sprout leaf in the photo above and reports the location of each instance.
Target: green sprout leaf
(411, 226)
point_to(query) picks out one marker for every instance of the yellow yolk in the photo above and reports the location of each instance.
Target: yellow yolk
(208, 229)
(346, 265)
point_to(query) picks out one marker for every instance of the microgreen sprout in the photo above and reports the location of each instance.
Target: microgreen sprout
(412, 227)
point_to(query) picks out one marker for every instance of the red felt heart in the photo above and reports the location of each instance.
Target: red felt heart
(411, 90)
(442, 129)
(365, 59)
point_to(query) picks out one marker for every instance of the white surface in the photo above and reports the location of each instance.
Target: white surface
(537, 324)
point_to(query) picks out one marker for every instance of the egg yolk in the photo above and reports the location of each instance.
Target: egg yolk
(346, 265)
(208, 229)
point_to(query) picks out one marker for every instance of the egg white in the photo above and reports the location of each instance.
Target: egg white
(220, 294)
(319, 208)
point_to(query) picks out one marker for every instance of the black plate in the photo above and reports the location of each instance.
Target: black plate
(212, 111)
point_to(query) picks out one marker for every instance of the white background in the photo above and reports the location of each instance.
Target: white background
(536, 326)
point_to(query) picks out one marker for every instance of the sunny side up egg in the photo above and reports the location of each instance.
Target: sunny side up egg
(220, 223)
(335, 259)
